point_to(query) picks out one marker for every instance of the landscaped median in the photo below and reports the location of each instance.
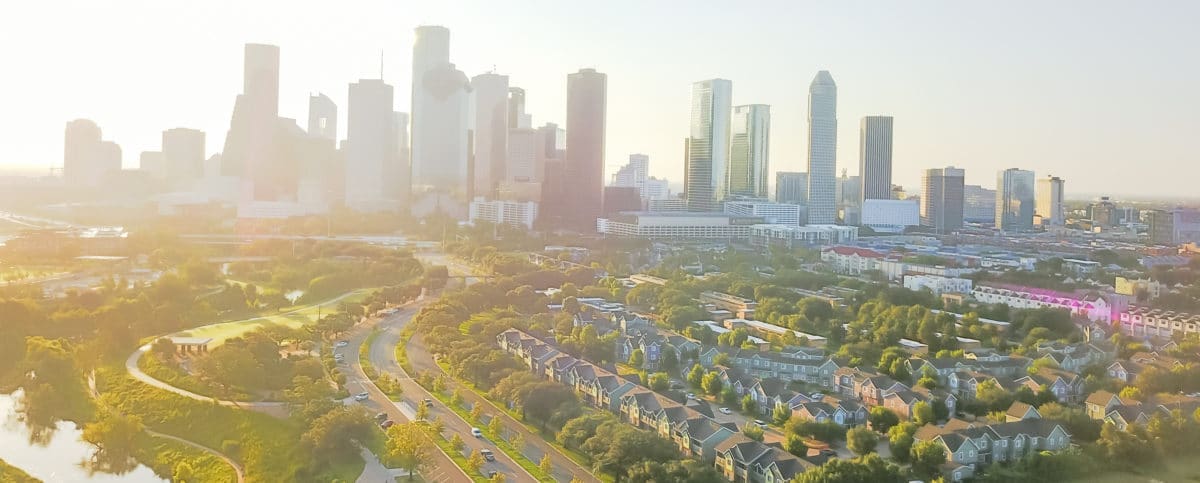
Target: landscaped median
(504, 445)
(384, 382)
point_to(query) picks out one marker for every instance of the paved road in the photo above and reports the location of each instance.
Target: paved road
(383, 357)
(535, 447)
(441, 468)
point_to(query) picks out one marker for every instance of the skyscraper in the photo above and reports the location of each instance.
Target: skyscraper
(260, 93)
(1014, 199)
(183, 155)
(749, 151)
(440, 103)
(979, 204)
(942, 199)
(522, 156)
(81, 151)
(490, 92)
(875, 157)
(633, 174)
(370, 143)
(822, 150)
(587, 104)
(791, 187)
(1050, 200)
(398, 173)
(707, 148)
(322, 117)
(517, 118)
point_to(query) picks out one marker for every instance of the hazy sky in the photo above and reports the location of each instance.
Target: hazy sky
(1103, 94)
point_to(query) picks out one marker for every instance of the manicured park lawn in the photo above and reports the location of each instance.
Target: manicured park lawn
(295, 318)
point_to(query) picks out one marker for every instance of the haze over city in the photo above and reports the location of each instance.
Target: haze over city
(1082, 90)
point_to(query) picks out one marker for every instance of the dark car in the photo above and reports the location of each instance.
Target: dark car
(381, 416)
(487, 454)
(387, 424)
(428, 402)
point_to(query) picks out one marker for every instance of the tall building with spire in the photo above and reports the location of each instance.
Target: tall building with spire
(749, 150)
(707, 145)
(587, 105)
(822, 149)
(875, 157)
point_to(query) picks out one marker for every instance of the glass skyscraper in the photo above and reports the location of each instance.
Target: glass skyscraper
(707, 145)
(748, 151)
(822, 149)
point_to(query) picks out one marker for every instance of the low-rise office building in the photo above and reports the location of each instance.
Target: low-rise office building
(678, 225)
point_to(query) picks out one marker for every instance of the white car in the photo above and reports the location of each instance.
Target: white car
(691, 395)
(362, 396)
(760, 423)
(341, 343)
(476, 433)
(725, 411)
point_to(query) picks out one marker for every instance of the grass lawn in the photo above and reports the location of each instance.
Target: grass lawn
(299, 317)
(1179, 469)
(162, 455)
(264, 445)
(12, 474)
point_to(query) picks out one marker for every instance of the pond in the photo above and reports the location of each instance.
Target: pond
(60, 458)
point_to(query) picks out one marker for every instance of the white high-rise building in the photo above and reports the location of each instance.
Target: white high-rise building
(522, 155)
(504, 212)
(370, 143)
(771, 213)
(183, 155)
(633, 174)
(822, 150)
(749, 147)
(875, 157)
(440, 110)
(707, 147)
(656, 189)
(1014, 199)
(1050, 200)
(489, 93)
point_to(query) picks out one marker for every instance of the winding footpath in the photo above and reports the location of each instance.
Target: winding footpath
(237, 468)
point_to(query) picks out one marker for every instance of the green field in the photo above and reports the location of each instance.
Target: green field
(295, 318)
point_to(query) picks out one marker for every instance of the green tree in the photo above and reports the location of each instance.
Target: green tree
(456, 442)
(637, 359)
(571, 306)
(900, 441)
(183, 473)
(546, 465)
(882, 419)
(927, 457)
(780, 415)
(114, 436)
(749, 405)
(752, 431)
(695, 377)
(517, 441)
(336, 435)
(866, 469)
(476, 412)
(711, 383)
(729, 397)
(422, 411)
(496, 427)
(922, 413)
(659, 381)
(474, 462)
(794, 444)
(861, 440)
(721, 359)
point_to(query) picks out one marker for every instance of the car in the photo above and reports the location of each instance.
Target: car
(487, 454)
(387, 424)
(362, 396)
(341, 343)
(476, 433)
(816, 396)
(428, 402)
(760, 423)
(381, 416)
(725, 411)
(691, 395)
(492, 474)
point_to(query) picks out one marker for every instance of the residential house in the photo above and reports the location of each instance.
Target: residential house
(1020, 411)
(865, 384)
(1066, 386)
(742, 460)
(970, 446)
(697, 437)
(558, 369)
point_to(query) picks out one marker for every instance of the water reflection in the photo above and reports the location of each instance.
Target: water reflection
(56, 452)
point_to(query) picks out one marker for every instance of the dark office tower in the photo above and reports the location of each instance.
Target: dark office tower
(81, 147)
(517, 119)
(942, 202)
(791, 187)
(621, 198)
(706, 149)
(322, 117)
(587, 101)
(875, 157)
(183, 155)
(1014, 200)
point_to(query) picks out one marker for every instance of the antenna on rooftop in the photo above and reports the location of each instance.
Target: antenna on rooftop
(380, 64)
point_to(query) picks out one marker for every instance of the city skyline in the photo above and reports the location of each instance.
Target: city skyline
(930, 100)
